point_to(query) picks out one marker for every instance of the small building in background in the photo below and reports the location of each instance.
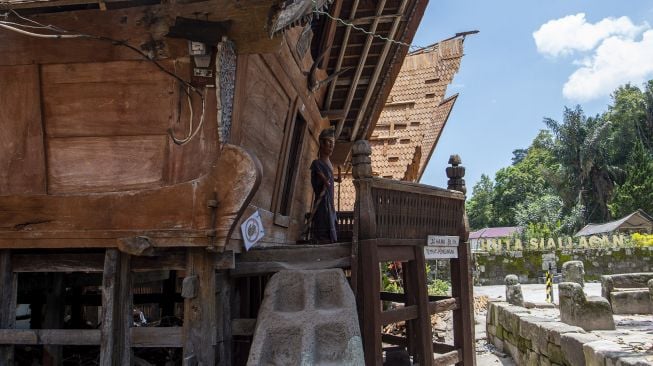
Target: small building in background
(637, 222)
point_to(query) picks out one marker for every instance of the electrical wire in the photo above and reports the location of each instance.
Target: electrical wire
(353, 26)
(64, 34)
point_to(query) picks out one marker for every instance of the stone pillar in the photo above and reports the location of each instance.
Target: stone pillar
(514, 295)
(574, 271)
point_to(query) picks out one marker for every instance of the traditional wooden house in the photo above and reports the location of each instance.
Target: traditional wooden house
(413, 117)
(137, 136)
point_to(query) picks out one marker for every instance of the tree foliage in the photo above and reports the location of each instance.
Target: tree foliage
(578, 170)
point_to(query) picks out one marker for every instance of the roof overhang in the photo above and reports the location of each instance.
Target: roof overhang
(373, 62)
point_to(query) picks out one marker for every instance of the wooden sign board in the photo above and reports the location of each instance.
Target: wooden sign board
(442, 241)
(440, 252)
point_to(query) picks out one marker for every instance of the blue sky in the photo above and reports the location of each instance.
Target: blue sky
(508, 83)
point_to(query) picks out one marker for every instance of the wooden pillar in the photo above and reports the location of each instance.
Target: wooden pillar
(365, 272)
(200, 314)
(224, 317)
(7, 303)
(461, 275)
(53, 316)
(117, 318)
(371, 304)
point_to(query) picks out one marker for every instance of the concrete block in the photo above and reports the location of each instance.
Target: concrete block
(590, 313)
(573, 271)
(552, 332)
(631, 301)
(635, 360)
(307, 318)
(509, 317)
(602, 353)
(572, 347)
(555, 353)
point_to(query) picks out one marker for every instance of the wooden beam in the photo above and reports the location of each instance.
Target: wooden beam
(243, 327)
(141, 337)
(225, 330)
(115, 347)
(54, 317)
(295, 257)
(441, 306)
(157, 337)
(93, 262)
(387, 18)
(200, 315)
(397, 315)
(343, 50)
(63, 337)
(377, 70)
(330, 33)
(257, 268)
(359, 69)
(7, 303)
(464, 316)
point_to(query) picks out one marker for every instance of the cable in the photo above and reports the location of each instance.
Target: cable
(64, 34)
(348, 24)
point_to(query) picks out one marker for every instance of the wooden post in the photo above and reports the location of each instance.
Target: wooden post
(461, 275)
(364, 215)
(115, 347)
(7, 303)
(368, 289)
(200, 315)
(53, 319)
(224, 318)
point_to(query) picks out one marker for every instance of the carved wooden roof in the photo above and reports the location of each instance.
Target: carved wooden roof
(414, 115)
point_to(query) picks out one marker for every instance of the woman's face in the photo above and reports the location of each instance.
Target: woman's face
(326, 146)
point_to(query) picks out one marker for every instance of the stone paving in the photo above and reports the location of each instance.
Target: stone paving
(634, 333)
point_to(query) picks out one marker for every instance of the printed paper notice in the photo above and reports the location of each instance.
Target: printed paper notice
(252, 230)
(440, 252)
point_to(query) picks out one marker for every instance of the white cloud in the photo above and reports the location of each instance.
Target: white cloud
(573, 33)
(615, 62)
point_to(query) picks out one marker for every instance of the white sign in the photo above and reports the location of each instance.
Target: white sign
(442, 241)
(252, 230)
(431, 252)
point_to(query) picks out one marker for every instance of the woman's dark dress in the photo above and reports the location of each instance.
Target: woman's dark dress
(323, 226)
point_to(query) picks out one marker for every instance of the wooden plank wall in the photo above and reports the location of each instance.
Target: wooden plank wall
(270, 90)
(22, 162)
(90, 116)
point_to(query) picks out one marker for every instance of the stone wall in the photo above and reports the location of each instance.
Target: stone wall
(491, 268)
(533, 341)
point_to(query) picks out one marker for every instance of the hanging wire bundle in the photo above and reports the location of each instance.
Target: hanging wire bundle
(32, 28)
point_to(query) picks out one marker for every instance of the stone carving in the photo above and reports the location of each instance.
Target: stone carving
(589, 313)
(574, 271)
(514, 294)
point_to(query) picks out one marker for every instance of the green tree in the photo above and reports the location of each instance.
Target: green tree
(524, 181)
(479, 207)
(637, 190)
(586, 177)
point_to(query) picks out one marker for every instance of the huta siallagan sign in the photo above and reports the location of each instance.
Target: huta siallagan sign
(534, 244)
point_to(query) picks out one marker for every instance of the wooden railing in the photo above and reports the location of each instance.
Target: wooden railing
(393, 220)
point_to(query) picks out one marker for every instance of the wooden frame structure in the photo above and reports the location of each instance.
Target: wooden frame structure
(99, 195)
